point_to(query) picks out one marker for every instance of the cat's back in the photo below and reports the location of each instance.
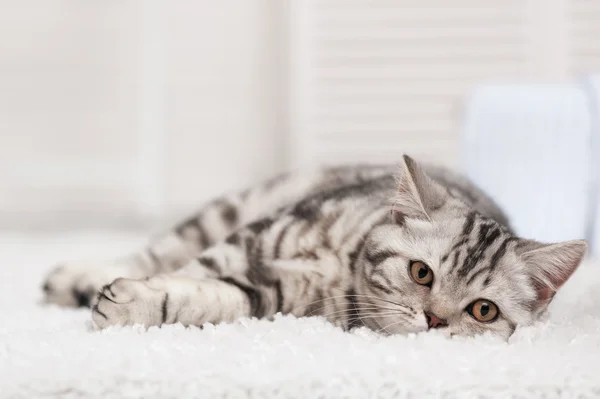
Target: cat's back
(379, 182)
(460, 186)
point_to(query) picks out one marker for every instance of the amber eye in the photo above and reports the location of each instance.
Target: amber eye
(483, 310)
(421, 273)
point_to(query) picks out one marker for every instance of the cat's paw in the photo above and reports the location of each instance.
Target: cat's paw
(77, 284)
(128, 302)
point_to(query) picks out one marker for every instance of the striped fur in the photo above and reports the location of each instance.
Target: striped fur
(336, 243)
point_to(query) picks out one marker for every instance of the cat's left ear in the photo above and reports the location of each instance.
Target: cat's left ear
(551, 265)
(418, 195)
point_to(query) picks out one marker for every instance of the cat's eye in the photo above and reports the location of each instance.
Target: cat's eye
(420, 273)
(483, 310)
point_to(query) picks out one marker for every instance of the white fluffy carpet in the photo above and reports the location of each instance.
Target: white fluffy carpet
(48, 352)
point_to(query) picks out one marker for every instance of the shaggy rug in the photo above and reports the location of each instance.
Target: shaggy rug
(49, 352)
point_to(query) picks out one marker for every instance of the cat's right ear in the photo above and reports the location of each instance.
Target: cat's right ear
(551, 265)
(418, 196)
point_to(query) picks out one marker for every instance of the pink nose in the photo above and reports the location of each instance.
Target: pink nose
(435, 322)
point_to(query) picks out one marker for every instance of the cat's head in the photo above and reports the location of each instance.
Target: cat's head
(443, 265)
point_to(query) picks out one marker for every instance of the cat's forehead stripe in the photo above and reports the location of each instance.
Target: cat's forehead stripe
(500, 251)
(478, 235)
(469, 223)
(494, 258)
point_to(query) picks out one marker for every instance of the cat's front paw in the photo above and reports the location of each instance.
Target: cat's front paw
(78, 283)
(128, 302)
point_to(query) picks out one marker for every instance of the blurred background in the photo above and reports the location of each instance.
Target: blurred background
(125, 114)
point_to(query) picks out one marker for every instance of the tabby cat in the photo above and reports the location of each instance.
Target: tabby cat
(396, 251)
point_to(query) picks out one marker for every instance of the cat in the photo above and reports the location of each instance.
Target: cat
(395, 249)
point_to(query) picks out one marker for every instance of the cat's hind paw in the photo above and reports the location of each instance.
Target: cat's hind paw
(77, 284)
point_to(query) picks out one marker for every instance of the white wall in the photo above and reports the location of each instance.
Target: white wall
(375, 79)
(114, 108)
(67, 95)
(225, 100)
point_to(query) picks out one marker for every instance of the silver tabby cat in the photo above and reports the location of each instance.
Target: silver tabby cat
(395, 251)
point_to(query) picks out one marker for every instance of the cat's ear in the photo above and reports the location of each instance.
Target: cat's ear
(551, 265)
(418, 195)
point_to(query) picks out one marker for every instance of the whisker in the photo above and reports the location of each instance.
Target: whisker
(341, 312)
(346, 297)
(357, 309)
(375, 298)
(382, 314)
(371, 297)
(375, 320)
(351, 311)
(315, 302)
(389, 325)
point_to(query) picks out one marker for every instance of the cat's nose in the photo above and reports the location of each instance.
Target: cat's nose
(435, 322)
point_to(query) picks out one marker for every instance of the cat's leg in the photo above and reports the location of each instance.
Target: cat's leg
(238, 277)
(202, 291)
(76, 283)
(180, 298)
(168, 299)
